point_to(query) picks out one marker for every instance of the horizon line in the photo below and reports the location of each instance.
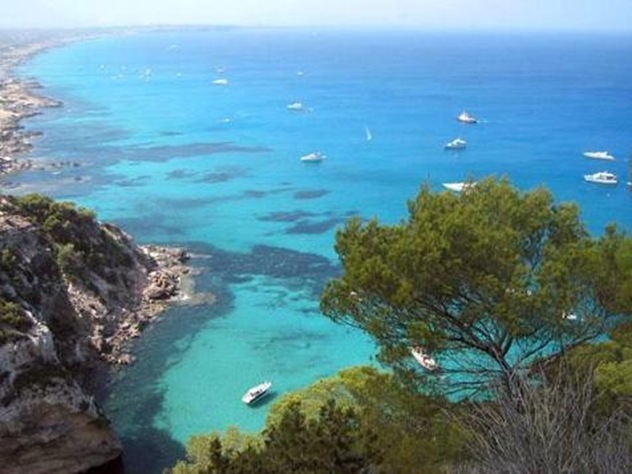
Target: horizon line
(355, 27)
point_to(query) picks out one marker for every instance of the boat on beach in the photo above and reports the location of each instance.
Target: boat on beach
(598, 155)
(424, 359)
(602, 177)
(456, 144)
(464, 117)
(459, 187)
(256, 393)
(314, 157)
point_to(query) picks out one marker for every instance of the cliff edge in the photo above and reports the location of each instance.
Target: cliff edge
(73, 293)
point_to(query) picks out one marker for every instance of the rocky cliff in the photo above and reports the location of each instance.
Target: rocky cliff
(73, 292)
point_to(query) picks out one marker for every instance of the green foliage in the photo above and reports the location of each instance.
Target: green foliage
(612, 262)
(81, 244)
(335, 441)
(61, 220)
(13, 321)
(359, 419)
(12, 315)
(66, 257)
(610, 362)
(415, 431)
(485, 280)
(488, 282)
(8, 259)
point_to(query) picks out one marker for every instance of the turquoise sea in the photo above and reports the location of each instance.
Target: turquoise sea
(175, 159)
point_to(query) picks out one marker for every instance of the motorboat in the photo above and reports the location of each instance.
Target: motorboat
(296, 106)
(456, 144)
(424, 359)
(464, 117)
(598, 155)
(220, 82)
(602, 177)
(256, 393)
(314, 157)
(459, 187)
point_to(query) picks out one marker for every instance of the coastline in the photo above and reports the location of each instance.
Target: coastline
(19, 100)
(66, 322)
(172, 280)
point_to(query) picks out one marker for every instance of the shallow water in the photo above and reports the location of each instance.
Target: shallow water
(174, 159)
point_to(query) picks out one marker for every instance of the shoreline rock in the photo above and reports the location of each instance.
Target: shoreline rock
(17, 102)
(164, 287)
(58, 348)
(74, 294)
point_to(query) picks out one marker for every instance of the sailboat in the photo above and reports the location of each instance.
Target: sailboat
(367, 131)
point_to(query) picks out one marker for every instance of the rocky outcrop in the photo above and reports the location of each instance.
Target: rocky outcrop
(73, 293)
(17, 101)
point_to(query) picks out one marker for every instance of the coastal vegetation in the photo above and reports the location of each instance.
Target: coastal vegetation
(77, 237)
(527, 317)
(488, 283)
(358, 420)
(13, 321)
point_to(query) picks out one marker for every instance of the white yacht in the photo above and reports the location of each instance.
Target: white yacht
(598, 155)
(602, 177)
(464, 117)
(459, 187)
(256, 393)
(220, 82)
(424, 359)
(456, 144)
(314, 157)
(296, 106)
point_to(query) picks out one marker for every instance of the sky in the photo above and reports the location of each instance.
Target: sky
(573, 15)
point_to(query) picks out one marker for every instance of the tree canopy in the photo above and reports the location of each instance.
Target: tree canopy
(359, 420)
(486, 282)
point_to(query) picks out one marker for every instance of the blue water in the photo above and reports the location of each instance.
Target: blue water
(174, 159)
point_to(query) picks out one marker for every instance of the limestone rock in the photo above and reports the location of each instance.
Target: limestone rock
(73, 293)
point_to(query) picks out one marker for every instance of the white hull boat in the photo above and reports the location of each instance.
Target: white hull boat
(256, 393)
(598, 155)
(220, 82)
(296, 106)
(424, 359)
(456, 144)
(315, 157)
(459, 187)
(464, 117)
(603, 177)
